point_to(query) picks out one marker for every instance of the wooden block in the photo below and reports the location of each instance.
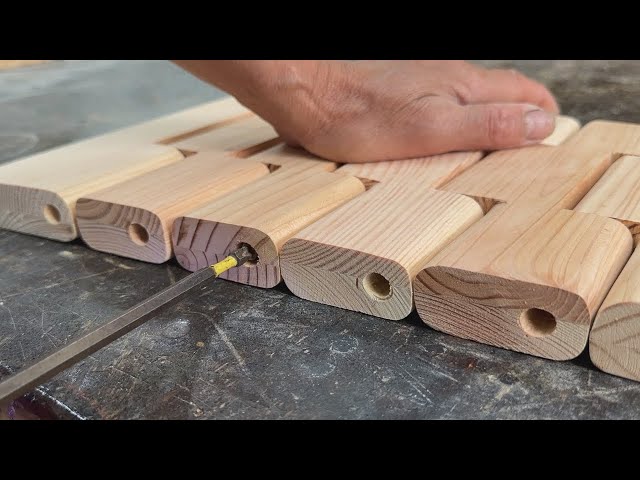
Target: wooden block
(243, 137)
(614, 343)
(181, 125)
(263, 214)
(532, 273)
(134, 218)
(38, 193)
(431, 171)
(565, 128)
(9, 64)
(364, 255)
(617, 194)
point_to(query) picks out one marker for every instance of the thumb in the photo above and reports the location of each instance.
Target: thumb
(498, 126)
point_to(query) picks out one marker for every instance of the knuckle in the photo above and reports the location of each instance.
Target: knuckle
(470, 84)
(500, 126)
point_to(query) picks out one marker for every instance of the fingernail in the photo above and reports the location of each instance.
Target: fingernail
(538, 124)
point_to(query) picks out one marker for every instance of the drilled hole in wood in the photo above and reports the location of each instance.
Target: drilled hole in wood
(250, 263)
(138, 234)
(52, 214)
(537, 323)
(376, 286)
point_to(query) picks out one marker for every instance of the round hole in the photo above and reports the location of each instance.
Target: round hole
(138, 234)
(537, 323)
(377, 286)
(52, 214)
(250, 263)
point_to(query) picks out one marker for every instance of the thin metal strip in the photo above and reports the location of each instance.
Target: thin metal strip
(38, 373)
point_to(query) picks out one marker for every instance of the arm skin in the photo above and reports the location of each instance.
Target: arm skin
(368, 111)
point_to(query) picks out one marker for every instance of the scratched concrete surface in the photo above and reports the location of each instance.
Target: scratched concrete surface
(231, 351)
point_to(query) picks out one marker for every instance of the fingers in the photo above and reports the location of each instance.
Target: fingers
(450, 127)
(509, 86)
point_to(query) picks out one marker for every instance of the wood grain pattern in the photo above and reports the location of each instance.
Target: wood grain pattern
(52, 182)
(337, 260)
(531, 274)
(263, 214)
(565, 128)
(38, 193)
(617, 194)
(134, 218)
(241, 136)
(364, 255)
(614, 342)
(432, 171)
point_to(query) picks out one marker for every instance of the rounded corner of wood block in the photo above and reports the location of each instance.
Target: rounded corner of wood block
(199, 243)
(38, 212)
(535, 319)
(125, 231)
(571, 122)
(614, 342)
(346, 278)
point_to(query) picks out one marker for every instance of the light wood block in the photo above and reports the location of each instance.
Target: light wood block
(614, 343)
(134, 218)
(564, 129)
(263, 214)
(617, 194)
(9, 64)
(531, 275)
(38, 193)
(364, 255)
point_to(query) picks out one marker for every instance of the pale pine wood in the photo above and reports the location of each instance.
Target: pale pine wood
(185, 123)
(617, 194)
(263, 214)
(9, 64)
(152, 202)
(52, 181)
(565, 128)
(244, 137)
(284, 156)
(431, 171)
(614, 342)
(56, 179)
(331, 261)
(531, 251)
(391, 230)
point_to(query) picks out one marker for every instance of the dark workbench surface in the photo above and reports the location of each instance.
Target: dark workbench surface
(232, 351)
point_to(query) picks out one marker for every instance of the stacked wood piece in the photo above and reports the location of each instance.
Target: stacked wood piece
(134, 218)
(531, 275)
(614, 344)
(38, 194)
(519, 249)
(263, 214)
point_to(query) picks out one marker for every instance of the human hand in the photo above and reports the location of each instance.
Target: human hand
(384, 110)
